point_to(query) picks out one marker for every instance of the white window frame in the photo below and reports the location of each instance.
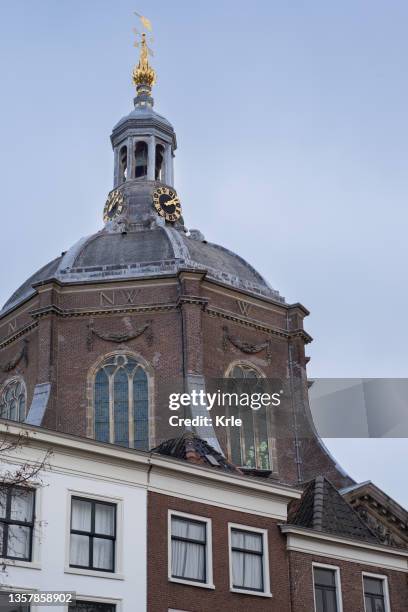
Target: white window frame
(118, 573)
(265, 560)
(337, 578)
(35, 562)
(384, 580)
(209, 584)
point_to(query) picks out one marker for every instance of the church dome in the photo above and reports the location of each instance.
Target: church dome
(147, 252)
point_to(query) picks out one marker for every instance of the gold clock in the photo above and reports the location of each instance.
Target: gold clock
(114, 205)
(167, 203)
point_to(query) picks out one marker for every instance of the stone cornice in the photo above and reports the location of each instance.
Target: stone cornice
(21, 332)
(86, 312)
(255, 324)
(192, 299)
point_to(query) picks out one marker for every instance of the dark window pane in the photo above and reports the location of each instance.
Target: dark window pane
(373, 586)
(102, 406)
(368, 605)
(324, 577)
(379, 605)
(159, 162)
(121, 407)
(319, 595)
(331, 601)
(141, 160)
(141, 410)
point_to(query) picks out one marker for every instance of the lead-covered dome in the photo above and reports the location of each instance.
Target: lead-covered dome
(146, 252)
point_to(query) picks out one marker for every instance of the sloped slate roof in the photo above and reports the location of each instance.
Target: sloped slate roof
(322, 508)
(191, 447)
(154, 251)
(47, 271)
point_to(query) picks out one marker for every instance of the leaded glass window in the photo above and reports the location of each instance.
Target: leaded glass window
(249, 444)
(121, 403)
(13, 400)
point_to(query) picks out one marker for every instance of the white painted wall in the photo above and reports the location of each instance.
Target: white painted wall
(50, 570)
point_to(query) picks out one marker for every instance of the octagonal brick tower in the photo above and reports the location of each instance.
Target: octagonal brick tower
(92, 343)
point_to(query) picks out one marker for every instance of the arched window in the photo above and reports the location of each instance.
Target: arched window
(159, 169)
(121, 403)
(13, 400)
(123, 164)
(141, 160)
(249, 444)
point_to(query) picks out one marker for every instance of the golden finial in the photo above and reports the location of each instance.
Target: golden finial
(143, 74)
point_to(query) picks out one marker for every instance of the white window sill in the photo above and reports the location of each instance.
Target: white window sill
(203, 585)
(18, 563)
(256, 593)
(87, 572)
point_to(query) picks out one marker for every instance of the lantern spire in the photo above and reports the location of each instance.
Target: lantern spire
(143, 75)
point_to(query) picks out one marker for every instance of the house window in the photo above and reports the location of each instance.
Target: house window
(326, 589)
(249, 444)
(121, 403)
(93, 534)
(190, 549)
(375, 593)
(249, 570)
(16, 522)
(13, 400)
(91, 606)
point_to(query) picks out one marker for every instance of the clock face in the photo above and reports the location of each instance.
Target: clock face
(167, 204)
(114, 205)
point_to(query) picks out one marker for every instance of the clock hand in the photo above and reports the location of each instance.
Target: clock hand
(174, 201)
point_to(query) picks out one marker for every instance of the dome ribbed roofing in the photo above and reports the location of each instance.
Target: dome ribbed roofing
(109, 255)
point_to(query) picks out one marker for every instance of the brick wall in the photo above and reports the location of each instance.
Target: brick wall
(163, 594)
(301, 580)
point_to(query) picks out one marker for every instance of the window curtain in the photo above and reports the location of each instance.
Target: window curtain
(81, 521)
(188, 557)
(104, 525)
(247, 563)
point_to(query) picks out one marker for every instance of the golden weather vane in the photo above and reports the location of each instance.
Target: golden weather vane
(143, 74)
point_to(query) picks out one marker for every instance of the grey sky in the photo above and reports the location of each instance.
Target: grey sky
(293, 149)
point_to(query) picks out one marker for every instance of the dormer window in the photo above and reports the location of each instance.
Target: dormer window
(141, 160)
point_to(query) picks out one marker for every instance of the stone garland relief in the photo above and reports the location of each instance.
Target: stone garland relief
(13, 363)
(119, 338)
(385, 534)
(246, 347)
